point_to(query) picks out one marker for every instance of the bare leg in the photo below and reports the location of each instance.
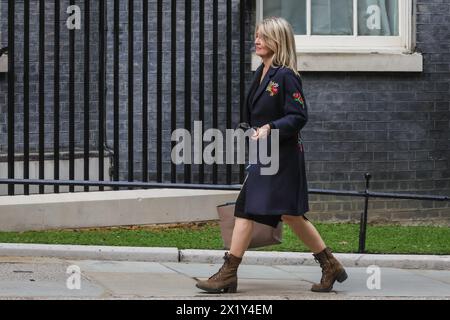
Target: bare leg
(306, 232)
(332, 269)
(242, 235)
(226, 280)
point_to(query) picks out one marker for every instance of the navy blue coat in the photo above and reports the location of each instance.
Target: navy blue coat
(278, 100)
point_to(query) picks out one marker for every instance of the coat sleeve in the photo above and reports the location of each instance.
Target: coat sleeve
(294, 107)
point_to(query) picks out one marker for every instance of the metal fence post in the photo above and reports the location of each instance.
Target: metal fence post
(363, 223)
(11, 98)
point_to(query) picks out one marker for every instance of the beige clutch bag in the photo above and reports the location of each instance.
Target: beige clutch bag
(262, 235)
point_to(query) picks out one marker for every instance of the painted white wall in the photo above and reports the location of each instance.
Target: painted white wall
(4, 63)
(48, 174)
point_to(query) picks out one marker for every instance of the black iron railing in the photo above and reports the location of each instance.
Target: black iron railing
(95, 32)
(366, 194)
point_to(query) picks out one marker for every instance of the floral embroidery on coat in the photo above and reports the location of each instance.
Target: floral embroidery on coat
(298, 97)
(273, 88)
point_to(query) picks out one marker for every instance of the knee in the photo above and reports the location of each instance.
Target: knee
(292, 219)
(243, 223)
(289, 219)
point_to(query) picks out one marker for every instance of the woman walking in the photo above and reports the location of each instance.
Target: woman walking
(276, 101)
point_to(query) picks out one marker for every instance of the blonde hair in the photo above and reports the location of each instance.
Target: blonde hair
(279, 37)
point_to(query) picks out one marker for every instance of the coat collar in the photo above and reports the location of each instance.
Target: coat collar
(265, 82)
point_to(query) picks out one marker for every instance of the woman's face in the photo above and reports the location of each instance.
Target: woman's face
(261, 49)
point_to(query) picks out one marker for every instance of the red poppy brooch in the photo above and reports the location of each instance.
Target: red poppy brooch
(298, 97)
(273, 88)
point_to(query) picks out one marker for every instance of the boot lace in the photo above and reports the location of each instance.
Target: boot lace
(324, 266)
(218, 273)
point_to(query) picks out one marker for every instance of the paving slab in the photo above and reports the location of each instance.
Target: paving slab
(42, 278)
(443, 276)
(281, 289)
(147, 285)
(393, 282)
(46, 278)
(198, 270)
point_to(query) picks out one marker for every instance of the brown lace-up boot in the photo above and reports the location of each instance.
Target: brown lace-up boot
(225, 280)
(332, 270)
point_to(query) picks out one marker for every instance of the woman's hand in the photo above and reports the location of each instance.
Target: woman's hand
(262, 132)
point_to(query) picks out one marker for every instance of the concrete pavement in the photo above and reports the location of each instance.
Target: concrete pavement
(61, 278)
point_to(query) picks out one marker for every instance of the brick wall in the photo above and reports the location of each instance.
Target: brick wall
(394, 125)
(166, 86)
(48, 88)
(123, 78)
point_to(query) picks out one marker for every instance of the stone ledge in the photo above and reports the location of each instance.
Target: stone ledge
(84, 252)
(110, 208)
(401, 261)
(355, 62)
(4, 63)
(172, 254)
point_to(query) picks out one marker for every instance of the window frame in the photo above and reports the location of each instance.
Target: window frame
(4, 63)
(403, 43)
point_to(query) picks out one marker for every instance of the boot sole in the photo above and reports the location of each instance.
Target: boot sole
(340, 278)
(232, 288)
